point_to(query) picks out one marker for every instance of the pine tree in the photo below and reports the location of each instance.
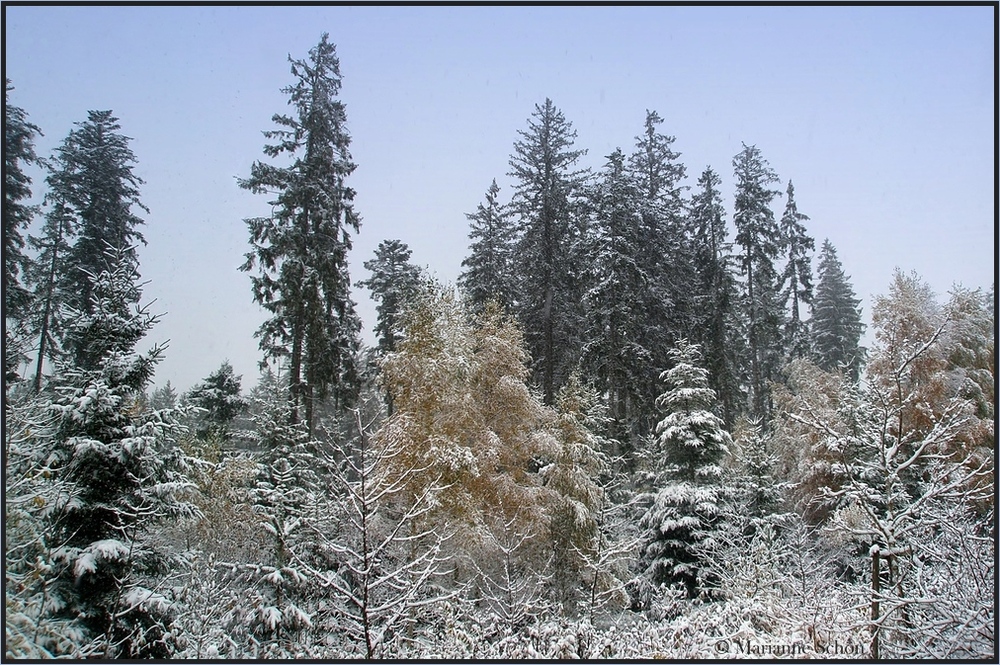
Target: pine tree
(92, 180)
(796, 280)
(691, 442)
(716, 298)
(124, 474)
(836, 320)
(759, 238)
(301, 249)
(394, 282)
(18, 152)
(488, 268)
(219, 395)
(50, 277)
(618, 345)
(545, 202)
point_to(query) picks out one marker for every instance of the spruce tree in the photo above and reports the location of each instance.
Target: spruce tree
(759, 238)
(18, 152)
(796, 280)
(617, 347)
(687, 507)
(300, 250)
(836, 320)
(716, 297)
(394, 282)
(487, 274)
(219, 395)
(546, 200)
(92, 180)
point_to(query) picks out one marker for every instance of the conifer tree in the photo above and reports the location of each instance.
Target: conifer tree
(219, 395)
(394, 282)
(617, 346)
(300, 251)
(718, 330)
(687, 507)
(796, 280)
(546, 201)
(92, 180)
(759, 238)
(488, 268)
(836, 320)
(18, 152)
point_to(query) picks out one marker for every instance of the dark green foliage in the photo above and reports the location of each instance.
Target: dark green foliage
(219, 395)
(759, 238)
(18, 151)
(546, 202)
(836, 320)
(796, 280)
(394, 282)
(301, 250)
(488, 268)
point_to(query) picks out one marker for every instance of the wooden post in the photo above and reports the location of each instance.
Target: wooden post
(876, 589)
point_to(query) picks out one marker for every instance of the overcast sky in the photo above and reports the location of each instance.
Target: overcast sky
(883, 117)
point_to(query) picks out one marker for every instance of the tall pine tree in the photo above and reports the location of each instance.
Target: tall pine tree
(546, 200)
(836, 320)
(796, 280)
(300, 251)
(18, 151)
(487, 269)
(394, 282)
(759, 238)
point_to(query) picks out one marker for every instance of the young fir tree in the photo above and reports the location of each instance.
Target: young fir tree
(219, 395)
(759, 238)
(836, 320)
(92, 180)
(682, 522)
(124, 478)
(394, 282)
(18, 152)
(716, 297)
(546, 198)
(301, 250)
(796, 280)
(488, 268)
(618, 343)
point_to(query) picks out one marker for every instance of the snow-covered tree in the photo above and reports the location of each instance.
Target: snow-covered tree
(719, 330)
(488, 270)
(122, 474)
(18, 152)
(300, 250)
(686, 509)
(545, 203)
(836, 326)
(759, 239)
(394, 282)
(219, 396)
(796, 280)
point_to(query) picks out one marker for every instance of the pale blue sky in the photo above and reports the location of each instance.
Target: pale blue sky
(883, 117)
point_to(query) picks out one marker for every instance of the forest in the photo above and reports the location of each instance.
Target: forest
(640, 425)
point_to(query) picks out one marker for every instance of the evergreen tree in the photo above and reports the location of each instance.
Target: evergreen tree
(93, 182)
(50, 278)
(836, 320)
(18, 151)
(691, 442)
(759, 238)
(715, 296)
(796, 280)
(123, 471)
(488, 268)
(219, 395)
(545, 201)
(301, 249)
(617, 345)
(394, 282)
